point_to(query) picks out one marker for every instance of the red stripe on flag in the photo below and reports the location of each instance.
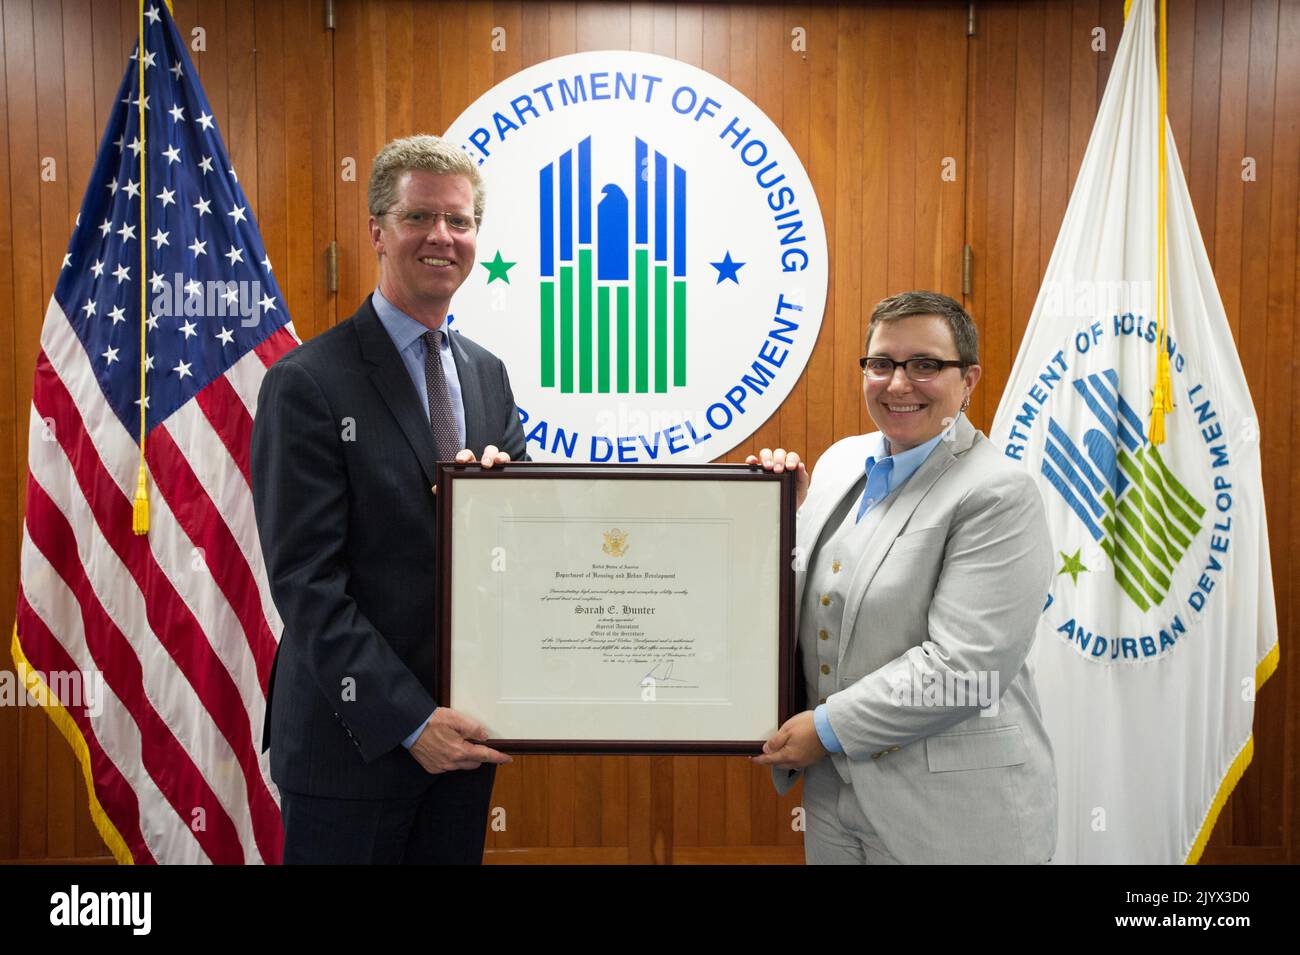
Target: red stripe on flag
(231, 421)
(45, 653)
(275, 345)
(168, 616)
(163, 756)
(207, 529)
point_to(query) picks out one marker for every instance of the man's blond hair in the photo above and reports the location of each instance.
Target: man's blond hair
(430, 153)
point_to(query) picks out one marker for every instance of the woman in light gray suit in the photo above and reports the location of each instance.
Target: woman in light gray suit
(922, 566)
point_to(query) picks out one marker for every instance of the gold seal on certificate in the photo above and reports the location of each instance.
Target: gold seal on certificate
(607, 608)
(615, 543)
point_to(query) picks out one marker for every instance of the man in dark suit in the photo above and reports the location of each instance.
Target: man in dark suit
(348, 431)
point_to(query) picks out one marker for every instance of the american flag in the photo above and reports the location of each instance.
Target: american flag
(177, 626)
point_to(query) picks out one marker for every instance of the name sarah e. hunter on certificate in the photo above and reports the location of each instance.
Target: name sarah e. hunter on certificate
(610, 622)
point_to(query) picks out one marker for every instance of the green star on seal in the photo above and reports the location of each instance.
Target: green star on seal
(498, 268)
(1072, 566)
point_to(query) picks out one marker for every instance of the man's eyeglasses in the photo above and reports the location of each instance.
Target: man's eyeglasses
(422, 220)
(917, 369)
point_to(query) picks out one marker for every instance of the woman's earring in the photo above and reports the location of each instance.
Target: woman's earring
(965, 403)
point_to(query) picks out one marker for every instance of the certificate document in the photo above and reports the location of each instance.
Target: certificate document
(608, 609)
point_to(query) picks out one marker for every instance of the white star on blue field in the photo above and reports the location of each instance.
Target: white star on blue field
(728, 268)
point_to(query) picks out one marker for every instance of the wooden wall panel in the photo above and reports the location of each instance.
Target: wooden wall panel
(26, 195)
(846, 237)
(881, 97)
(10, 770)
(1280, 424)
(1255, 820)
(1203, 147)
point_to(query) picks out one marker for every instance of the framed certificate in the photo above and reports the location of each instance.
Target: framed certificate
(617, 608)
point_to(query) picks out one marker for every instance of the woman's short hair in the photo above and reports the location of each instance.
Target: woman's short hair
(907, 304)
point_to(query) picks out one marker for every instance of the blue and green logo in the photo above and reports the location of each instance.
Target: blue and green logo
(1118, 485)
(593, 283)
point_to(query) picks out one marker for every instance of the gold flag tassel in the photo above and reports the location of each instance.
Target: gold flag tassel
(1162, 396)
(140, 508)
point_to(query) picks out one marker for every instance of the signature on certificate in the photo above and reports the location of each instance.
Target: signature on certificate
(660, 673)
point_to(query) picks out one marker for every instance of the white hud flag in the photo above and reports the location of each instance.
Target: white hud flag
(1160, 624)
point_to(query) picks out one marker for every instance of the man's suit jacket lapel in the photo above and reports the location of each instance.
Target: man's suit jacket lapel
(471, 396)
(893, 520)
(390, 377)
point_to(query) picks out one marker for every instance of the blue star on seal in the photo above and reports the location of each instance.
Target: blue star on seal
(728, 268)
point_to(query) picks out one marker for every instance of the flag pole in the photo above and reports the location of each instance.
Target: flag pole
(140, 509)
(1162, 398)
